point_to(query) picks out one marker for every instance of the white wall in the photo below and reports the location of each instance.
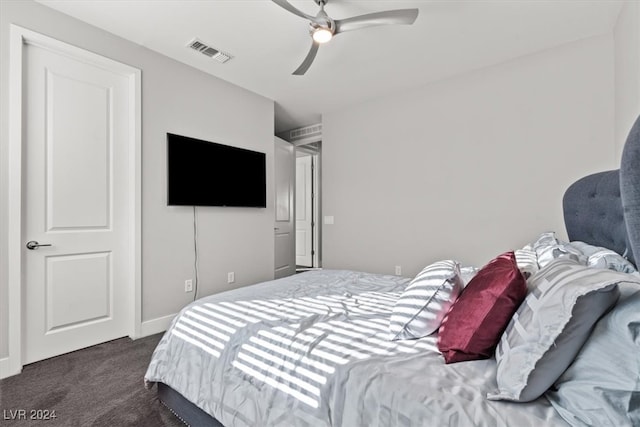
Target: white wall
(627, 76)
(179, 99)
(468, 167)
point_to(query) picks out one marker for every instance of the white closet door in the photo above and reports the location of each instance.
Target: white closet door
(304, 211)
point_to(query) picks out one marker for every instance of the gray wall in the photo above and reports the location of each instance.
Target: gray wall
(179, 99)
(468, 167)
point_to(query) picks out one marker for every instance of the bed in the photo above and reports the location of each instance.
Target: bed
(324, 348)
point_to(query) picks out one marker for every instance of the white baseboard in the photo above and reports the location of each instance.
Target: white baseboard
(149, 327)
(155, 326)
(6, 370)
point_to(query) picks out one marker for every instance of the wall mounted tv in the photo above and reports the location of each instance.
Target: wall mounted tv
(202, 173)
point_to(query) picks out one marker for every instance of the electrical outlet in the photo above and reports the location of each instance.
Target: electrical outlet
(398, 270)
(188, 285)
(231, 277)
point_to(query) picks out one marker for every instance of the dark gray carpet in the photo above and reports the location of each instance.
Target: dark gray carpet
(98, 386)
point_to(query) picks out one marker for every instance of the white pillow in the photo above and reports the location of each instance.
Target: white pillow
(599, 257)
(424, 303)
(548, 248)
(565, 300)
(527, 261)
(468, 273)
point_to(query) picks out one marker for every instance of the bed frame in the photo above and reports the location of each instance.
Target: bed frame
(602, 209)
(186, 411)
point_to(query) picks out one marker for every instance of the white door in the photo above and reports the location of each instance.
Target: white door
(304, 211)
(284, 164)
(75, 199)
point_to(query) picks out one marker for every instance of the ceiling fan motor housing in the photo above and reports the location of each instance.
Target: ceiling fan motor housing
(323, 27)
(329, 25)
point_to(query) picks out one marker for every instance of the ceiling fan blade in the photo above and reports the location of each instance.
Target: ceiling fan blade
(288, 6)
(399, 16)
(308, 60)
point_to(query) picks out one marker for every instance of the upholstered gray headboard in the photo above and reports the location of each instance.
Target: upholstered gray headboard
(603, 209)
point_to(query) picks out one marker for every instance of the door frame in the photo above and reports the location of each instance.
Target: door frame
(19, 38)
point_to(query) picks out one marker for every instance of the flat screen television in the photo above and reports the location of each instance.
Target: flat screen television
(202, 173)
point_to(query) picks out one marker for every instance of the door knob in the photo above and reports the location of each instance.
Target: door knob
(32, 244)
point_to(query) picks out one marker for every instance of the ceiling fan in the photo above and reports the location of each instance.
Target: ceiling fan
(323, 28)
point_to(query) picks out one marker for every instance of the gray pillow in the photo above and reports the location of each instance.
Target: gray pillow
(424, 303)
(564, 302)
(602, 386)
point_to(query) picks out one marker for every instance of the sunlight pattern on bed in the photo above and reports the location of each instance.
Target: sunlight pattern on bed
(210, 326)
(290, 357)
(297, 358)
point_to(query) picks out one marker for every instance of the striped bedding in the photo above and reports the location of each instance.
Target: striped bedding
(314, 349)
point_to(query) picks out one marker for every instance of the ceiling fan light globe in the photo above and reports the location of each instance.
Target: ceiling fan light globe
(322, 35)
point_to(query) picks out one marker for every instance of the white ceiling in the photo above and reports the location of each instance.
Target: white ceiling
(268, 43)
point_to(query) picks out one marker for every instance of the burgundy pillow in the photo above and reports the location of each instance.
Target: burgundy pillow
(475, 322)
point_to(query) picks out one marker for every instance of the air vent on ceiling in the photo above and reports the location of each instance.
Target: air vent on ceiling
(211, 52)
(305, 132)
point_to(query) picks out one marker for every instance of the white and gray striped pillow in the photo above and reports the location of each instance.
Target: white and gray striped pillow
(565, 301)
(527, 261)
(424, 303)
